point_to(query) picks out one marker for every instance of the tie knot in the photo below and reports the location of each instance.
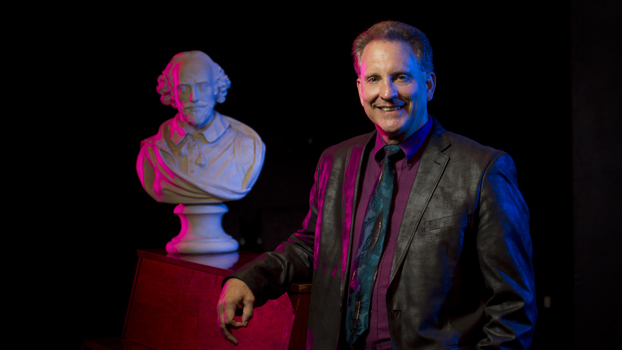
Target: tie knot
(390, 150)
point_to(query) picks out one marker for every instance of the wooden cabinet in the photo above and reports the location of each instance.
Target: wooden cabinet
(173, 306)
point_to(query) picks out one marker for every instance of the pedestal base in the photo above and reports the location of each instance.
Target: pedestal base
(201, 230)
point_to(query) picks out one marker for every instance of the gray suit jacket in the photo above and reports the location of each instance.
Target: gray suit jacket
(462, 274)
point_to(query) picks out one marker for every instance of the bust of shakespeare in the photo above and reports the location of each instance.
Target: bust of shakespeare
(200, 158)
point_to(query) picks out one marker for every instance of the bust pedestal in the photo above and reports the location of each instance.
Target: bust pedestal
(201, 230)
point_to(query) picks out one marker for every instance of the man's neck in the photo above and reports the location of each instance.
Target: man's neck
(397, 138)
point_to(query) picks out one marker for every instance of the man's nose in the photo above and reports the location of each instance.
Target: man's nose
(389, 91)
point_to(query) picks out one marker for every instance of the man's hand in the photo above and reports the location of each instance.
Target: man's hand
(235, 295)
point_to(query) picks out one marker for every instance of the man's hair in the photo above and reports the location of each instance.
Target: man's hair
(395, 31)
(165, 80)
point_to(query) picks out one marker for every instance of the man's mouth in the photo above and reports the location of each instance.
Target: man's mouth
(391, 108)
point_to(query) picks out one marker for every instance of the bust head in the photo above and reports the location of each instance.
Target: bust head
(193, 83)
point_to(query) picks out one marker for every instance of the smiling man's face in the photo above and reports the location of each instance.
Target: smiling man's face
(194, 92)
(393, 89)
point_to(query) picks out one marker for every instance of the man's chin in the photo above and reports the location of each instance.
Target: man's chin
(390, 130)
(391, 134)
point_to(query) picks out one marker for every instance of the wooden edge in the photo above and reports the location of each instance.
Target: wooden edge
(158, 255)
(114, 343)
(183, 263)
(300, 288)
(129, 305)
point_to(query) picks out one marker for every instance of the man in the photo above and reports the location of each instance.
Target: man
(455, 266)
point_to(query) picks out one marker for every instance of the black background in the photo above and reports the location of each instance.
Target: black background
(504, 78)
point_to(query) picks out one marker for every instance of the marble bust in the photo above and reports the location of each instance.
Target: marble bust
(200, 158)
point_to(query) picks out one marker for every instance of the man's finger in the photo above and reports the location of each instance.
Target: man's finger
(226, 332)
(226, 321)
(235, 296)
(247, 313)
(235, 325)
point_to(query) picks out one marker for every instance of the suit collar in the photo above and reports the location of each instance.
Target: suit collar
(439, 140)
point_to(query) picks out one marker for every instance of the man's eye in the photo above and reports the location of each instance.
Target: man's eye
(182, 88)
(203, 87)
(402, 78)
(372, 79)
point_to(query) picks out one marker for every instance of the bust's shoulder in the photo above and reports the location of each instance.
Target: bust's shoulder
(240, 128)
(248, 146)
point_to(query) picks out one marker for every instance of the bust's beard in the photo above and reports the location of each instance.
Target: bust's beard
(197, 116)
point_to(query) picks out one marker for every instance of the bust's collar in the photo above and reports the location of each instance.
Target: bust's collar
(212, 131)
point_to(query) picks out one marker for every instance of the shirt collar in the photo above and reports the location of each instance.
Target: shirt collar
(212, 131)
(409, 146)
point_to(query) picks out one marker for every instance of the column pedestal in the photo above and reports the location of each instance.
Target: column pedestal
(201, 230)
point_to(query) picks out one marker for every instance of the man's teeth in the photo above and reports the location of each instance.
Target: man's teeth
(386, 109)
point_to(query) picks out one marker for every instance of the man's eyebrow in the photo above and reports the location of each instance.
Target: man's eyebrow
(399, 72)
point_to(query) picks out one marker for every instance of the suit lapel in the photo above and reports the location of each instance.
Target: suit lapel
(351, 183)
(431, 168)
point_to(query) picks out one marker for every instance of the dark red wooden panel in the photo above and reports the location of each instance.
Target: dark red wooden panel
(174, 307)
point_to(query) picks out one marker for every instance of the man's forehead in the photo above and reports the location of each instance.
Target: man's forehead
(385, 47)
(381, 52)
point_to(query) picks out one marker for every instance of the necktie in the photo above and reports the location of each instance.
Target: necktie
(369, 251)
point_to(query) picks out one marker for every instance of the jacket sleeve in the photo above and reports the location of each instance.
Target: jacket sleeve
(270, 274)
(505, 256)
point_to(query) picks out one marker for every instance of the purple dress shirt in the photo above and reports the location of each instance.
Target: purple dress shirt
(406, 168)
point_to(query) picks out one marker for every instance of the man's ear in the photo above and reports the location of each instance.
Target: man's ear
(430, 83)
(358, 86)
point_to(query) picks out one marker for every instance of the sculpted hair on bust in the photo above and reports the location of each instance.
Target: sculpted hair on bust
(165, 80)
(395, 31)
